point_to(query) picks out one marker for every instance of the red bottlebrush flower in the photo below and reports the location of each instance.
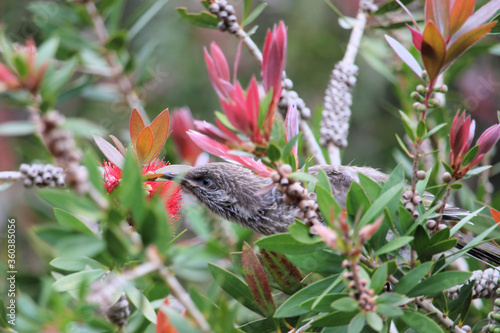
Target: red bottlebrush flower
(461, 135)
(147, 142)
(181, 122)
(169, 192)
(451, 27)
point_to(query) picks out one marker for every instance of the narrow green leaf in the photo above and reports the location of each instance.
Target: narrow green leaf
(357, 323)
(17, 128)
(438, 283)
(68, 220)
(273, 152)
(146, 18)
(328, 206)
(433, 131)
(255, 13)
(141, 302)
(234, 286)
(379, 278)
(419, 322)
(470, 155)
(3, 314)
(407, 282)
(324, 181)
(465, 220)
(421, 129)
(287, 244)
(203, 19)
(74, 264)
(394, 245)
(378, 206)
(75, 280)
(374, 321)
(247, 7)
(346, 304)
(291, 307)
(303, 177)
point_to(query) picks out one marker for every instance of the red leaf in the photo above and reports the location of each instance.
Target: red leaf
(218, 149)
(181, 122)
(461, 11)
(252, 109)
(433, 50)
(477, 19)
(7, 77)
(441, 10)
(485, 142)
(257, 281)
(416, 37)
(405, 55)
(144, 144)
(495, 214)
(136, 125)
(461, 45)
(286, 274)
(111, 153)
(160, 128)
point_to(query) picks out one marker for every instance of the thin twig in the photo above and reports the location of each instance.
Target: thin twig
(123, 81)
(303, 328)
(349, 59)
(10, 176)
(308, 136)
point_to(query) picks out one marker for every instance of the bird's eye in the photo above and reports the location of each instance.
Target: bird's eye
(206, 181)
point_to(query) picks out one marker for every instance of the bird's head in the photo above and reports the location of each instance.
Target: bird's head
(227, 189)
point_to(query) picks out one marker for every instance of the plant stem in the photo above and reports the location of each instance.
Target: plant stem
(122, 80)
(349, 59)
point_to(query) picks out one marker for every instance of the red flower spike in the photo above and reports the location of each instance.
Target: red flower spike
(169, 192)
(181, 122)
(218, 149)
(273, 61)
(218, 71)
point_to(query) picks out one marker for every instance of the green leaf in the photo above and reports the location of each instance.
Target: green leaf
(335, 319)
(379, 278)
(439, 282)
(419, 322)
(357, 323)
(291, 307)
(303, 177)
(47, 51)
(287, 244)
(74, 264)
(437, 248)
(234, 286)
(286, 274)
(117, 41)
(3, 314)
(407, 282)
(203, 19)
(316, 262)
(433, 131)
(273, 152)
(146, 18)
(393, 245)
(68, 220)
(257, 281)
(357, 200)
(421, 129)
(323, 303)
(388, 310)
(476, 171)
(328, 206)
(55, 80)
(254, 14)
(374, 321)
(371, 187)
(470, 155)
(408, 126)
(289, 145)
(141, 302)
(324, 181)
(378, 206)
(346, 304)
(79, 245)
(17, 128)
(69, 201)
(391, 298)
(131, 190)
(76, 280)
(247, 7)
(460, 307)
(465, 220)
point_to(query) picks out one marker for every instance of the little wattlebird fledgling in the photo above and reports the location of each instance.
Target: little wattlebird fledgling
(236, 194)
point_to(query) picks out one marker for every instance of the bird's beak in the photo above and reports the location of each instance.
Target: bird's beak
(173, 172)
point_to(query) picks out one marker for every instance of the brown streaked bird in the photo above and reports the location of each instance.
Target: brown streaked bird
(236, 194)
